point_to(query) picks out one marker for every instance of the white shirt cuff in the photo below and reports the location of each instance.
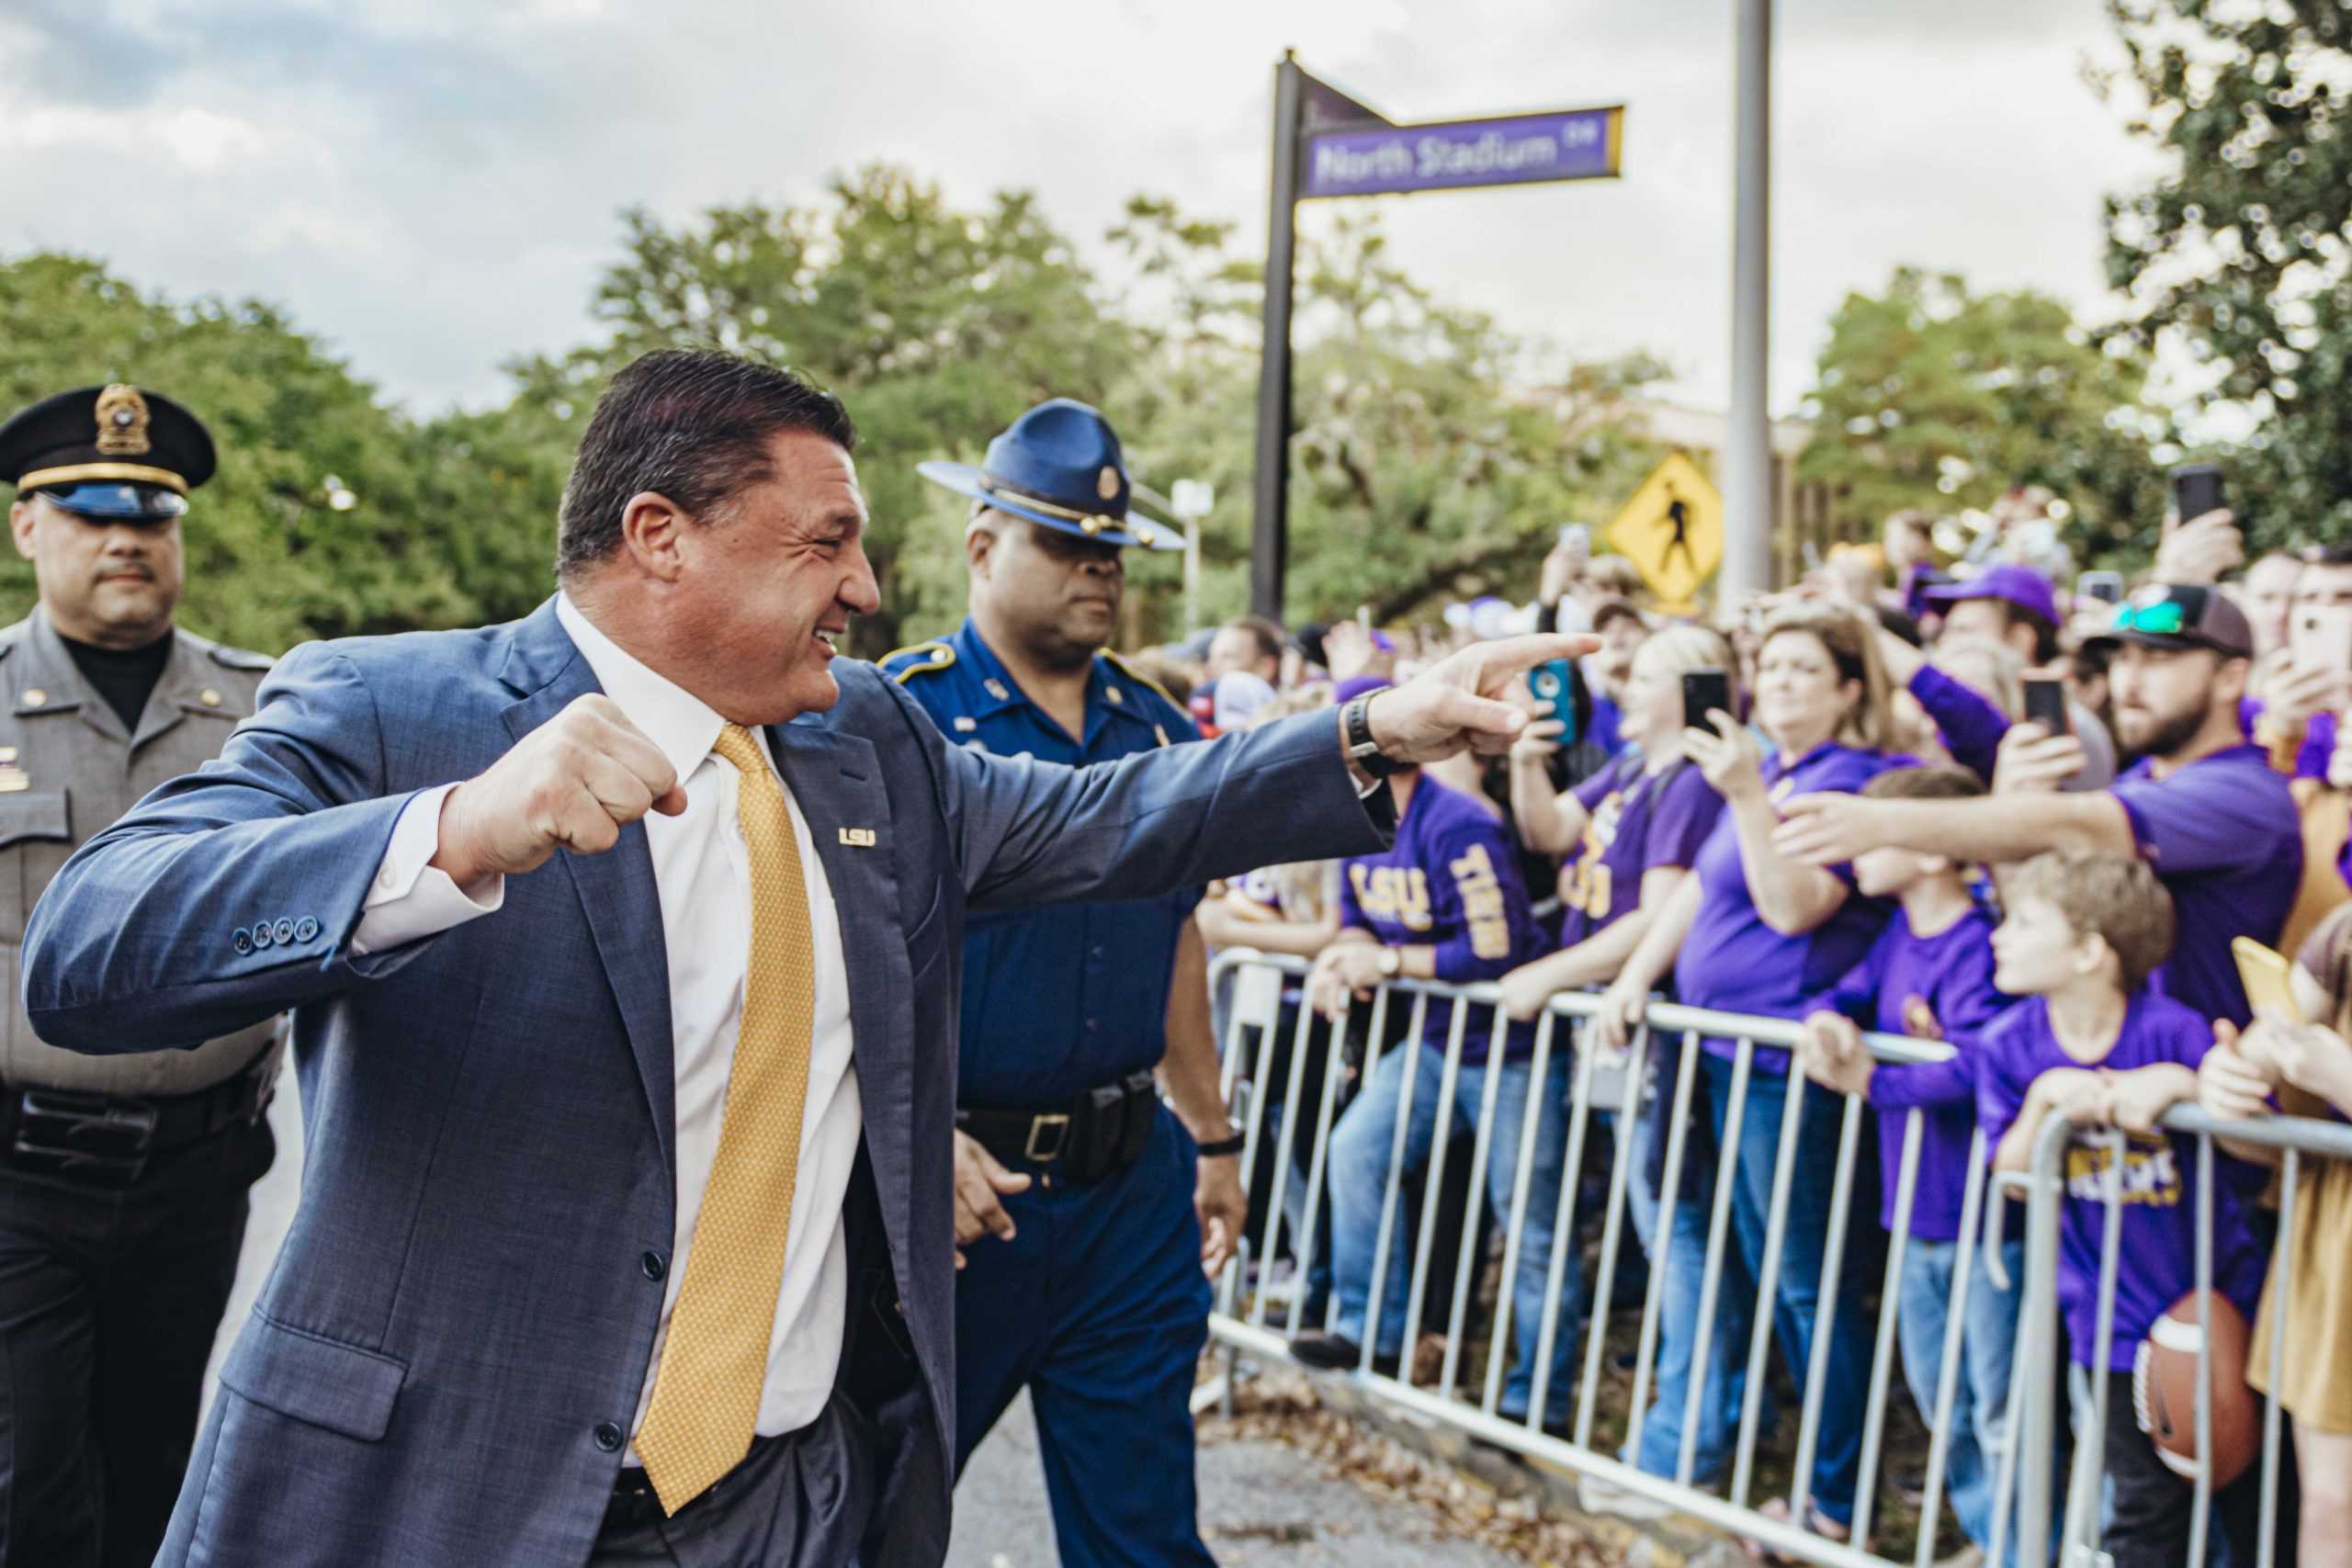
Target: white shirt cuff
(411, 898)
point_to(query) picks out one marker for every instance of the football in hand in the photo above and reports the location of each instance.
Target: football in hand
(2164, 1390)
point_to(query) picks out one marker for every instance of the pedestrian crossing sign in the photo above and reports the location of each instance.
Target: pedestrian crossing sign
(1673, 533)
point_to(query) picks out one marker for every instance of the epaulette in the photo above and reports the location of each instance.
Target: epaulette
(239, 658)
(1131, 674)
(935, 656)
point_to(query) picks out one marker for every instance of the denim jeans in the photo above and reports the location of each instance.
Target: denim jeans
(1681, 1269)
(1359, 1178)
(1838, 1440)
(1988, 1334)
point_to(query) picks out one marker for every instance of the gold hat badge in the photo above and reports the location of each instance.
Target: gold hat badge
(122, 422)
(1106, 483)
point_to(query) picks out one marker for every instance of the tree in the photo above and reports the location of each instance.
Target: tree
(1932, 396)
(2241, 251)
(936, 326)
(330, 513)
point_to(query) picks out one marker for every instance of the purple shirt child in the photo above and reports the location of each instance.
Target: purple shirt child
(1952, 973)
(2224, 835)
(1450, 881)
(2156, 1255)
(1634, 824)
(1732, 960)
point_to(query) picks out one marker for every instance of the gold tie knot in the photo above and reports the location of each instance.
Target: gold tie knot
(736, 745)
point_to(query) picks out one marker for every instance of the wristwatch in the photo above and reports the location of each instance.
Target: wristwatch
(1392, 962)
(1232, 1143)
(1355, 730)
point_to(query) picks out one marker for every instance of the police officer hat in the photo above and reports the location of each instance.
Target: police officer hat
(1060, 467)
(107, 452)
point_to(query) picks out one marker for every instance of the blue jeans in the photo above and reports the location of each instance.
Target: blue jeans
(1804, 1244)
(1988, 1337)
(1359, 1179)
(1681, 1260)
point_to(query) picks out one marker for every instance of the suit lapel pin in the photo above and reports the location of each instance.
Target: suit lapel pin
(858, 838)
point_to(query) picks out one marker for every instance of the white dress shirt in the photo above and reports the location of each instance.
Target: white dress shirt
(702, 876)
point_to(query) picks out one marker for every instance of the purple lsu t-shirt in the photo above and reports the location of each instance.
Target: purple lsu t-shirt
(1451, 881)
(2156, 1255)
(1634, 823)
(1951, 972)
(1732, 960)
(2224, 835)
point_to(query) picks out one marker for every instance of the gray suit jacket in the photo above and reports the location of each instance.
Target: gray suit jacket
(441, 1364)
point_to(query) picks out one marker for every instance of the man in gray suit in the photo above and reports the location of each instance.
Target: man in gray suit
(622, 945)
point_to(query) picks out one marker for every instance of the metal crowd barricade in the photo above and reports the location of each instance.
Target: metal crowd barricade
(1259, 1020)
(2295, 1140)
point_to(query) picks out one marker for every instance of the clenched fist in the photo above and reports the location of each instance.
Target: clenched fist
(574, 783)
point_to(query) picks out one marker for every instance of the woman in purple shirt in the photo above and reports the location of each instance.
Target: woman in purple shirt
(1755, 932)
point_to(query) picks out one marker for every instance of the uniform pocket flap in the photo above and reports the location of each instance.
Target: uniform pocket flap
(323, 1381)
(28, 815)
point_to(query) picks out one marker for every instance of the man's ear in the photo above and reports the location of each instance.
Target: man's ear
(653, 533)
(2230, 678)
(979, 546)
(20, 527)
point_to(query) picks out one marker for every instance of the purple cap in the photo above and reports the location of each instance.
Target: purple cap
(2018, 585)
(1355, 686)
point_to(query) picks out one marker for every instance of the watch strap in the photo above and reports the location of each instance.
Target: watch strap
(1225, 1146)
(1355, 727)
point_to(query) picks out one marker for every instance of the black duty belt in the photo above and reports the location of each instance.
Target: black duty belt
(1100, 1133)
(107, 1140)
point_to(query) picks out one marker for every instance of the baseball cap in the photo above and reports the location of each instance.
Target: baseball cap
(2021, 586)
(2179, 614)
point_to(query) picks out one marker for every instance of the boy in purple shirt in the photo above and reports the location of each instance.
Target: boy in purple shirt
(2095, 1043)
(1445, 903)
(1930, 974)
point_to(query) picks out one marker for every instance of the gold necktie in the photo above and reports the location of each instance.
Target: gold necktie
(706, 1387)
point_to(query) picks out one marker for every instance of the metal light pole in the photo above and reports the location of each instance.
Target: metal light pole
(1747, 474)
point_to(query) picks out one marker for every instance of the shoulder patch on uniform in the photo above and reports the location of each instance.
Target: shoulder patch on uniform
(239, 659)
(1140, 678)
(928, 657)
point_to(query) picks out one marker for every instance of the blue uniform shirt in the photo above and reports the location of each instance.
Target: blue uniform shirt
(1060, 998)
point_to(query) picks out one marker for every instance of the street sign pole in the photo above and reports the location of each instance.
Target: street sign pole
(1270, 514)
(1747, 440)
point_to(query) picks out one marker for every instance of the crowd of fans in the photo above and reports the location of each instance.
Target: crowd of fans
(1978, 800)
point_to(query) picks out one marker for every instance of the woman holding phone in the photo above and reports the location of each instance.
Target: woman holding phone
(1755, 933)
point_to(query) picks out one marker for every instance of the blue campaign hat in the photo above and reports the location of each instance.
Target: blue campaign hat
(116, 452)
(1059, 466)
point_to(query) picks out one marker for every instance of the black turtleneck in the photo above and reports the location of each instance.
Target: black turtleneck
(123, 676)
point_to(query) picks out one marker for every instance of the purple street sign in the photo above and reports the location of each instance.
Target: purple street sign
(1572, 144)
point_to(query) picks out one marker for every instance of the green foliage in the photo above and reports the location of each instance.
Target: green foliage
(2241, 251)
(1929, 396)
(269, 560)
(1433, 452)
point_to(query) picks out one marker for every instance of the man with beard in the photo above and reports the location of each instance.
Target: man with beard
(1089, 1214)
(122, 1179)
(2200, 806)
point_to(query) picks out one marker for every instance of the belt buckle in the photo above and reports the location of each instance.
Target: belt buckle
(62, 1134)
(1059, 1121)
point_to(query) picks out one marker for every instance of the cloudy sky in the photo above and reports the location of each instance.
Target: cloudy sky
(432, 186)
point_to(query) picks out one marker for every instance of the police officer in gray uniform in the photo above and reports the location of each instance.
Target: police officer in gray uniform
(123, 1178)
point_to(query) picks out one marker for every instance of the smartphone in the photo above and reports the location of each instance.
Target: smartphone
(1704, 691)
(2045, 703)
(2105, 586)
(1576, 536)
(2321, 636)
(2196, 491)
(2264, 975)
(1554, 684)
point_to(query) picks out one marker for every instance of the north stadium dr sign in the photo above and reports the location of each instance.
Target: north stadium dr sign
(1572, 144)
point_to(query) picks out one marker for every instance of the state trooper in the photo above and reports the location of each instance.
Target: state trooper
(1089, 1212)
(123, 1178)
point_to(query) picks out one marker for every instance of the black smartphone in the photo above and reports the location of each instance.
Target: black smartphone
(2045, 705)
(2106, 586)
(1704, 691)
(1554, 684)
(2196, 491)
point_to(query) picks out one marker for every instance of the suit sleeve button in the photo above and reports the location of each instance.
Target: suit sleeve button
(262, 937)
(652, 1264)
(283, 931)
(243, 941)
(305, 929)
(608, 1437)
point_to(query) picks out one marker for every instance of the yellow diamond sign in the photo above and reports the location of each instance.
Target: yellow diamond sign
(1673, 532)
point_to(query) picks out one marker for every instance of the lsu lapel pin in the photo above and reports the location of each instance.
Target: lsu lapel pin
(858, 838)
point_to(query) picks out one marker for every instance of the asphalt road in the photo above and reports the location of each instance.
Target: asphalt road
(1262, 1503)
